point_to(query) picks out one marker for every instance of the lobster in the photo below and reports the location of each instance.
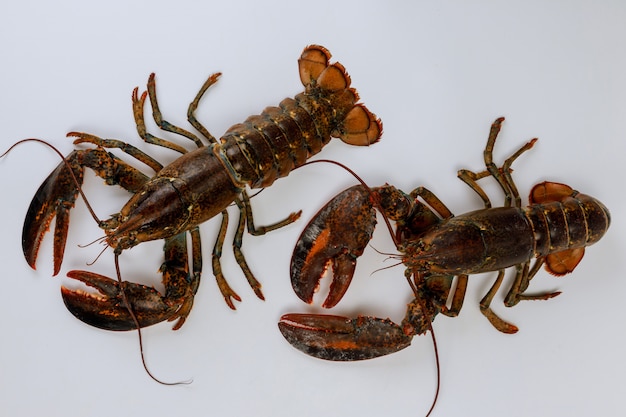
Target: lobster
(192, 189)
(435, 246)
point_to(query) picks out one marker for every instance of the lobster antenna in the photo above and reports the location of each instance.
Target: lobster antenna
(67, 165)
(98, 257)
(389, 255)
(136, 321)
(100, 239)
(413, 286)
(432, 333)
(385, 267)
(369, 190)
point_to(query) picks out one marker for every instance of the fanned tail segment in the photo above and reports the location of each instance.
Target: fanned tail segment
(357, 125)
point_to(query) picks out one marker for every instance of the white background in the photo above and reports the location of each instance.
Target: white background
(438, 74)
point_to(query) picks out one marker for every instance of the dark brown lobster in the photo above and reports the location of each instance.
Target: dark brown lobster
(435, 246)
(197, 186)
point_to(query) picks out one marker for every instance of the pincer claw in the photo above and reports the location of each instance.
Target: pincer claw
(338, 338)
(107, 309)
(55, 197)
(337, 236)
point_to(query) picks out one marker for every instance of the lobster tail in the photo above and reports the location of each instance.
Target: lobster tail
(268, 146)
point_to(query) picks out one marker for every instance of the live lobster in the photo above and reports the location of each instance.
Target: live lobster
(435, 246)
(194, 188)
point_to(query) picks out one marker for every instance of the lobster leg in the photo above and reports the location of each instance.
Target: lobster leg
(245, 220)
(164, 125)
(521, 282)
(457, 298)
(433, 201)
(227, 292)
(193, 279)
(485, 308)
(191, 110)
(138, 113)
(118, 144)
(501, 175)
(471, 178)
(245, 217)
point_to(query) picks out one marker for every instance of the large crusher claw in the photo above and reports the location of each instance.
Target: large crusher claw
(107, 308)
(338, 338)
(336, 236)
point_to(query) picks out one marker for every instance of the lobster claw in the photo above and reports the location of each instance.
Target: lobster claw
(55, 197)
(336, 236)
(107, 309)
(338, 338)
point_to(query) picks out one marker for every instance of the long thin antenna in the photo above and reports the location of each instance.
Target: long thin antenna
(136, 321)
(432, 333)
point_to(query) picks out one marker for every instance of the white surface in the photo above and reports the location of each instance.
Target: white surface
(437, 73)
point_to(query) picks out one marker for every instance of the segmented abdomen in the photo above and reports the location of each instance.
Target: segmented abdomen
(270, 145)
(575, 222)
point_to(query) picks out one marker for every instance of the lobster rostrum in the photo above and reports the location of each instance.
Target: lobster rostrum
(194, 188)
(435, 246)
